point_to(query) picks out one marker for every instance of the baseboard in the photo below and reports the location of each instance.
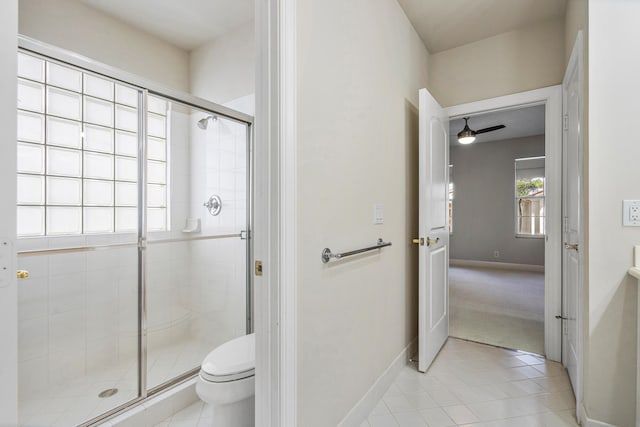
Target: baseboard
(585, 421)
(500, 265)
(363, 408)
(158, 408)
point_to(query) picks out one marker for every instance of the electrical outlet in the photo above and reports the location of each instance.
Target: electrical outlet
(496, 254)
(631, 213)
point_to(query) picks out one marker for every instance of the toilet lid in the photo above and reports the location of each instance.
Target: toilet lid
(233, 359)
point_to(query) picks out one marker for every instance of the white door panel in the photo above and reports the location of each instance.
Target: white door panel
(572, 224)
(439, 290)
(433, 293)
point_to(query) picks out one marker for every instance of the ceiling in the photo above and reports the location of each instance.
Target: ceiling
(442, 24)
(519, 123)
(185, 23)
(445, 24)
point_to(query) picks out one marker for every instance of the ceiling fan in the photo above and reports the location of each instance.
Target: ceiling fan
(468, 135)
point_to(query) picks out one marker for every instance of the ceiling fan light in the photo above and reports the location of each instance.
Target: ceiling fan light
(466, 137)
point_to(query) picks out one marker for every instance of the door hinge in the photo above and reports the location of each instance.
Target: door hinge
(258, 268)
(565, 122)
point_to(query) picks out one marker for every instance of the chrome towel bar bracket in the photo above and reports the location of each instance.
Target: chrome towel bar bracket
(327, 255)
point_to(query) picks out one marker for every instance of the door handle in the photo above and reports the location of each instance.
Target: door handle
(22, 274)
(573, 246)
(419, 241)
(431, 241)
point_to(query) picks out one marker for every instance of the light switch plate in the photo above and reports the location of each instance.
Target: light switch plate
(378, 214)
(631, 213)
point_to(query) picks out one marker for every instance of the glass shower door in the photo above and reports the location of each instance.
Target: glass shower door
(197, 246)
(78, 308)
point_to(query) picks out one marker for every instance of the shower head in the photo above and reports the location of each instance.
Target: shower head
(203, 123)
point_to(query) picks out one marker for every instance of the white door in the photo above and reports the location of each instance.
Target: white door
(433, 293)
(572, 220)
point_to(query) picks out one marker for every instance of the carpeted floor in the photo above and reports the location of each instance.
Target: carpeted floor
(498, 307)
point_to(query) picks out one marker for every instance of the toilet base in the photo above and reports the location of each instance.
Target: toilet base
(237, 414)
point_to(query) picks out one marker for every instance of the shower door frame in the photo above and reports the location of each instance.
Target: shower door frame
(145, 88)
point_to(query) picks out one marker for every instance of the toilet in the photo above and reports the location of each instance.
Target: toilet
(227, 382)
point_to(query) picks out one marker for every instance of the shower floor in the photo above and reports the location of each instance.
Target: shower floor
(77, 401)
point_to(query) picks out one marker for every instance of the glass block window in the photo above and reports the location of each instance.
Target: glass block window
(78, 152)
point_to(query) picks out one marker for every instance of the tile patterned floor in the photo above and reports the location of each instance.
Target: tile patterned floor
(198, 414)
(469, 384)
(472, 384)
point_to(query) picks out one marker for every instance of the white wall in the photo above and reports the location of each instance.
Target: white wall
(614, 65)
(484, 205)
(8, 293)
(520, 60)
(72, 25)
(224, 69)
(359, 66)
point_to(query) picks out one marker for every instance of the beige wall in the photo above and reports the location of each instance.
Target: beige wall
(8, 291)
(575, 20)
(512, 62)
(360, 65)
(614, 65)
(224, 69)
(72, 25)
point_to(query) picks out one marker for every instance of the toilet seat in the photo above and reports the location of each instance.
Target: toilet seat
(232, 361)
(226, 378)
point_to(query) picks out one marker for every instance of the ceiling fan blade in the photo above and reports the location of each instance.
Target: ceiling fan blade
(491, 129)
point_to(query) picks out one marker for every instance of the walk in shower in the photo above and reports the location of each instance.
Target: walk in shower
(133, 229)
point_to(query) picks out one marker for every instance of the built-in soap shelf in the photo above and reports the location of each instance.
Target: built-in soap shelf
(192, 225)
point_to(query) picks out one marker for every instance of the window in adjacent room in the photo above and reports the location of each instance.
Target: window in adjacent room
(530, 197)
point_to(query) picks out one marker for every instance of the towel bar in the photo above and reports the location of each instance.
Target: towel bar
(327, 254)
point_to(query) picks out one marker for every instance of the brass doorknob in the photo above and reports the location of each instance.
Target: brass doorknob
(419, 241)
(22, 274)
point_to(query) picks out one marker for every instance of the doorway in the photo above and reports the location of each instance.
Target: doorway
(551, 99)
(497, 229)
(430, 280)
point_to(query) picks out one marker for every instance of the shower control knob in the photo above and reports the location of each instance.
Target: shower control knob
(213, 205)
